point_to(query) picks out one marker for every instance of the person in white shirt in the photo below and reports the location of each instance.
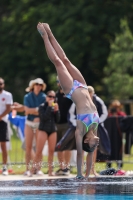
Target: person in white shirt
(5, 107)
(103, 114)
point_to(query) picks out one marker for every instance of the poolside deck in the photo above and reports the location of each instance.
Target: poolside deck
(23, 187)
(45, 176)
(34, 177)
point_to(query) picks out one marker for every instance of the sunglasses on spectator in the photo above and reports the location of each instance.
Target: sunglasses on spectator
(38, 84)
(51, 96)
(1, 83)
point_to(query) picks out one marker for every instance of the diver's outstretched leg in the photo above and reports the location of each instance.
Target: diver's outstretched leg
(65, 78)
(75, 73)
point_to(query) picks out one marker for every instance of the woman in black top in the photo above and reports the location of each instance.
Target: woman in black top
(49, 115)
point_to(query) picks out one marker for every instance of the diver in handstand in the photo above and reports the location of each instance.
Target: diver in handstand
(75, 88)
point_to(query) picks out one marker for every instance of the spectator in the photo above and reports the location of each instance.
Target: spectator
(19, 122)
(100, 105)
(103, 113)
(5, 107)
(48, 114)
(62, 126)
(17, 107)
(115, 109)
(32, 101)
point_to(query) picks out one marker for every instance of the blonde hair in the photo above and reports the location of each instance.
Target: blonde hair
(91, 89)
(116, 103)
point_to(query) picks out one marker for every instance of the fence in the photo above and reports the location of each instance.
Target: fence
(16, 155)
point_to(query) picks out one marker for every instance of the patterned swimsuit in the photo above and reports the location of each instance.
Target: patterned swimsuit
(76, 85)
(87, 119)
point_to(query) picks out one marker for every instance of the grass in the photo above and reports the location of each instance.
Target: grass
(17, 159)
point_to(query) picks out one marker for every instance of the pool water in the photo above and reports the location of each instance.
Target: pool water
(105, 188)
(69, 197)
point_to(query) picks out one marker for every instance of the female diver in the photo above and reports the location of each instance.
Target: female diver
(75, 88)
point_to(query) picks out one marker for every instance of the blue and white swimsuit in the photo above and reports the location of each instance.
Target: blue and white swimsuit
(87, 119)
(76, 84)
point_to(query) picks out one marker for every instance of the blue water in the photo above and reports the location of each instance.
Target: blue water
(105, 188)
(69, 197)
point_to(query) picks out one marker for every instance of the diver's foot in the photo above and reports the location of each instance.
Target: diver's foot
(47, 28)
(41, 29)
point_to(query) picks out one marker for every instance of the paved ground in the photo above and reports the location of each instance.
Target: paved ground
(20, 187)
(45, 176)
(22, 177)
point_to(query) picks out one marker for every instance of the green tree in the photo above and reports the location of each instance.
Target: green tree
(83, 28)
(119, 70)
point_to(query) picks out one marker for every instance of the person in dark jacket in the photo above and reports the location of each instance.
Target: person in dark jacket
(62, 126)
(49, 115)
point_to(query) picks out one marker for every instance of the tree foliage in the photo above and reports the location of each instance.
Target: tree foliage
(83, 28)
(119, 71)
